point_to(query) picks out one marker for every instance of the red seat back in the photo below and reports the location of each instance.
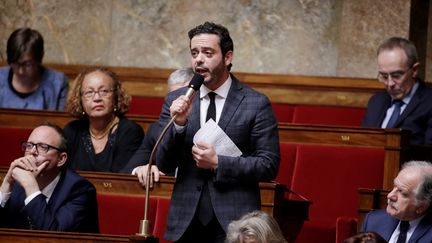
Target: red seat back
(121, 214)
(10, 143)
(330, 176)
(141, 105)
(328, 115)
(288, 157)
(283, 112)
(163, 205)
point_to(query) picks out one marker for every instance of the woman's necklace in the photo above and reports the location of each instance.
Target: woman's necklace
(105, 131)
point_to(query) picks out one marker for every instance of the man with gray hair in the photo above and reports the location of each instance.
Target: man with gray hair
(408, 216)
(407, 101)
(179, 78)
(137, 165)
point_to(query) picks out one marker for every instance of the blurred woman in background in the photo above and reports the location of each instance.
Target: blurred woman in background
(25, 83)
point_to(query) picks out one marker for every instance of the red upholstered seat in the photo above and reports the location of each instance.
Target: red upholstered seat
(141, 105)
(121, 214)
(10, 143)
(329, 176)
(283, 112)
(288, 156)
(161, 218)
(328, 115)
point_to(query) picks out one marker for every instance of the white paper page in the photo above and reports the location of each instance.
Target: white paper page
(211, 133)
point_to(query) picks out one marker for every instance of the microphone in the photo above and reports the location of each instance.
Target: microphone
(194, 85)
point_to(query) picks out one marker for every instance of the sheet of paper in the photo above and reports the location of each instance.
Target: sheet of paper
(211, 133)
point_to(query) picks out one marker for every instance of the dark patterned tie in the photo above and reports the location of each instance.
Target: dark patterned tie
(403, 228)
(205, 213)
(396, 113)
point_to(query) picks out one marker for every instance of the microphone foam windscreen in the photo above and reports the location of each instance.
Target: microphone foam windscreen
(196, 82)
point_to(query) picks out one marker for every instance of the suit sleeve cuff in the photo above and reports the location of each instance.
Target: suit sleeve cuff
(4, 197)
(31, 197)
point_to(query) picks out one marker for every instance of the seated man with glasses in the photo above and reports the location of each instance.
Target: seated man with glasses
(25, 83)
(39, 192)
(407, 102)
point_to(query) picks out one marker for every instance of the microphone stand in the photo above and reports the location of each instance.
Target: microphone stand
(194, 85)
(145, 223)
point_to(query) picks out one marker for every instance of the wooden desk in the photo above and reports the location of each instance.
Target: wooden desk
(370, 199)
(393, 141)
(25, 236)
(31, 118)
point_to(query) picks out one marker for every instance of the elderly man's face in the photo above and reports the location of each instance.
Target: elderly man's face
(394, 72)
(402, 203)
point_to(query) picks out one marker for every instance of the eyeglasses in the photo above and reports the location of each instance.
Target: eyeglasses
(25, 65)
(102, 93)
(41, 148)
(395, 76)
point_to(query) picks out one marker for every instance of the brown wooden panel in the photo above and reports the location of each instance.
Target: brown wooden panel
(31, 118)
(393, 141)
(25, 236)
(289, 89)
(370, 199)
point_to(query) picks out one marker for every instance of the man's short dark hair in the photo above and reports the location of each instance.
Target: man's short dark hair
(225, 42)
(25, 40)
(63, 142)
(406, 45)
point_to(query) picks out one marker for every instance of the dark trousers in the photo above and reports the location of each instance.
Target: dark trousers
(196, 232)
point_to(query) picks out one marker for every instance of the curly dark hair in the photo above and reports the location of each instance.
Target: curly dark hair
(225, 42)
(121, 98)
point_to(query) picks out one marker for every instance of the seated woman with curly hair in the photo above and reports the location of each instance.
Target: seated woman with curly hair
(102, 139)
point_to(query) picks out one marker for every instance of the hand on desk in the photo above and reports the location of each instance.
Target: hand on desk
(141, 173)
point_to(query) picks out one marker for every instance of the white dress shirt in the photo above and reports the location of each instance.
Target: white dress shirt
(47, 191)
(413, 225)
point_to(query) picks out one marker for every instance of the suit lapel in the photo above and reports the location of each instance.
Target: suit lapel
(382, 110)
(424, 226)
(232, 103)
(194, 118)
(412, 105)
(59, 192)
(388, 229)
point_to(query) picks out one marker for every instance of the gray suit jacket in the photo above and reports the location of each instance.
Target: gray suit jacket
(248, 119)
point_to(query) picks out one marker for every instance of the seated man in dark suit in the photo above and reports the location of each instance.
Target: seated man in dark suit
(40, 192)
(408, 217)
(407, 102)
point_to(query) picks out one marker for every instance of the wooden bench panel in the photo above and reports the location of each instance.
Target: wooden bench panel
(25, 236)
(289, 89)
(393, 141)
